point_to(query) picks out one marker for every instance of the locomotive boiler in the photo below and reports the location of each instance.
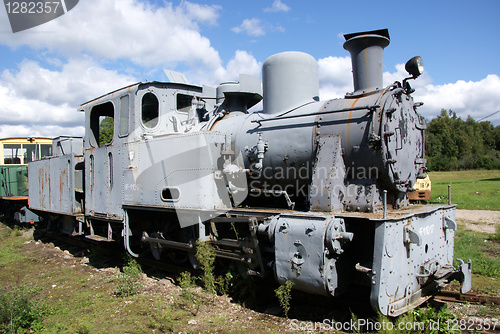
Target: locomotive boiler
(309, 191)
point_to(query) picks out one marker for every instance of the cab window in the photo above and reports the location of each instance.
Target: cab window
(102, 124)
(184, 102)
(150, 110)
(124, 116)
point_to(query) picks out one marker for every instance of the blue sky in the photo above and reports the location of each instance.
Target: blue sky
(102, 45)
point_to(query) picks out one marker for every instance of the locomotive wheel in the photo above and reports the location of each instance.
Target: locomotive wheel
(178, 257)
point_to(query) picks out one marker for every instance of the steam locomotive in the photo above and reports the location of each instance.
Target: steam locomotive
(309, 191)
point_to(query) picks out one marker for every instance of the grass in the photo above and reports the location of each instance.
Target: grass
(482, 248)
(475, 189)
(74, 297)
(128, 281)
(19, 311)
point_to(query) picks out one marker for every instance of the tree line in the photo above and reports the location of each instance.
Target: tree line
(452, 143)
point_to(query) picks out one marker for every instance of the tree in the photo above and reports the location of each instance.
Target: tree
(452, 143)
(105, 130)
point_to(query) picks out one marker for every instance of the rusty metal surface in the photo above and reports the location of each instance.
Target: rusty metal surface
(15, 198)
(52, 184)
(457, 297)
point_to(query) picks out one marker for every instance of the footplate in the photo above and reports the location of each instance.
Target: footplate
(413, 259)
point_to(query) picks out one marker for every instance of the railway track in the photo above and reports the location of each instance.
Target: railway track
(472, 298)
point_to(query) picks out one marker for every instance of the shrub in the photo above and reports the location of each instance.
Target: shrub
(128, 281)
(19, 311)
(284, 294)
(206, 256)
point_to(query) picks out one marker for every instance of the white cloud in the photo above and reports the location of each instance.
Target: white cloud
(42, 101)
(253, 27)
(256, 27)
(277, 6)
(38, 101)
(242, 62)
(40, 130)
(401, 74)
(202, 13)
(335, 77)
(475, 98)
(125, 29)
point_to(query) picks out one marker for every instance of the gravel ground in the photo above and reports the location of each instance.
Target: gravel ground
(479, 220)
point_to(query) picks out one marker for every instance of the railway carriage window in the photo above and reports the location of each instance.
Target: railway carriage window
(150, 110)
(12, 154)
(30, 153)
(101, 124)
(124, 116)
(184, 102)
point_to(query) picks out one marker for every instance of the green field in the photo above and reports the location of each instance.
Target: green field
(474, 189)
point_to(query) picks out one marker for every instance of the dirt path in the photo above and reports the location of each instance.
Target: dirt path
(479, 220)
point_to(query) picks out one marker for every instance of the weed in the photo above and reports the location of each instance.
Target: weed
(17, 232)
(187, 283)
(133, 268)
(18, 311)
(420, 320)
(240, 288)
(224, 283)
(206, 256)
(284, 294)
(165, 320)
(83, 328)
(496, 236)
(128, 280)
(233, 227)
(6, 232)
(190, 300)
(436, 321)
(355, 320)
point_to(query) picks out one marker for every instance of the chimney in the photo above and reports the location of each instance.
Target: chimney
(366, 50)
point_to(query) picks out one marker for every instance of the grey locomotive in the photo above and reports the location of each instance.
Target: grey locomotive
(309, 191)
